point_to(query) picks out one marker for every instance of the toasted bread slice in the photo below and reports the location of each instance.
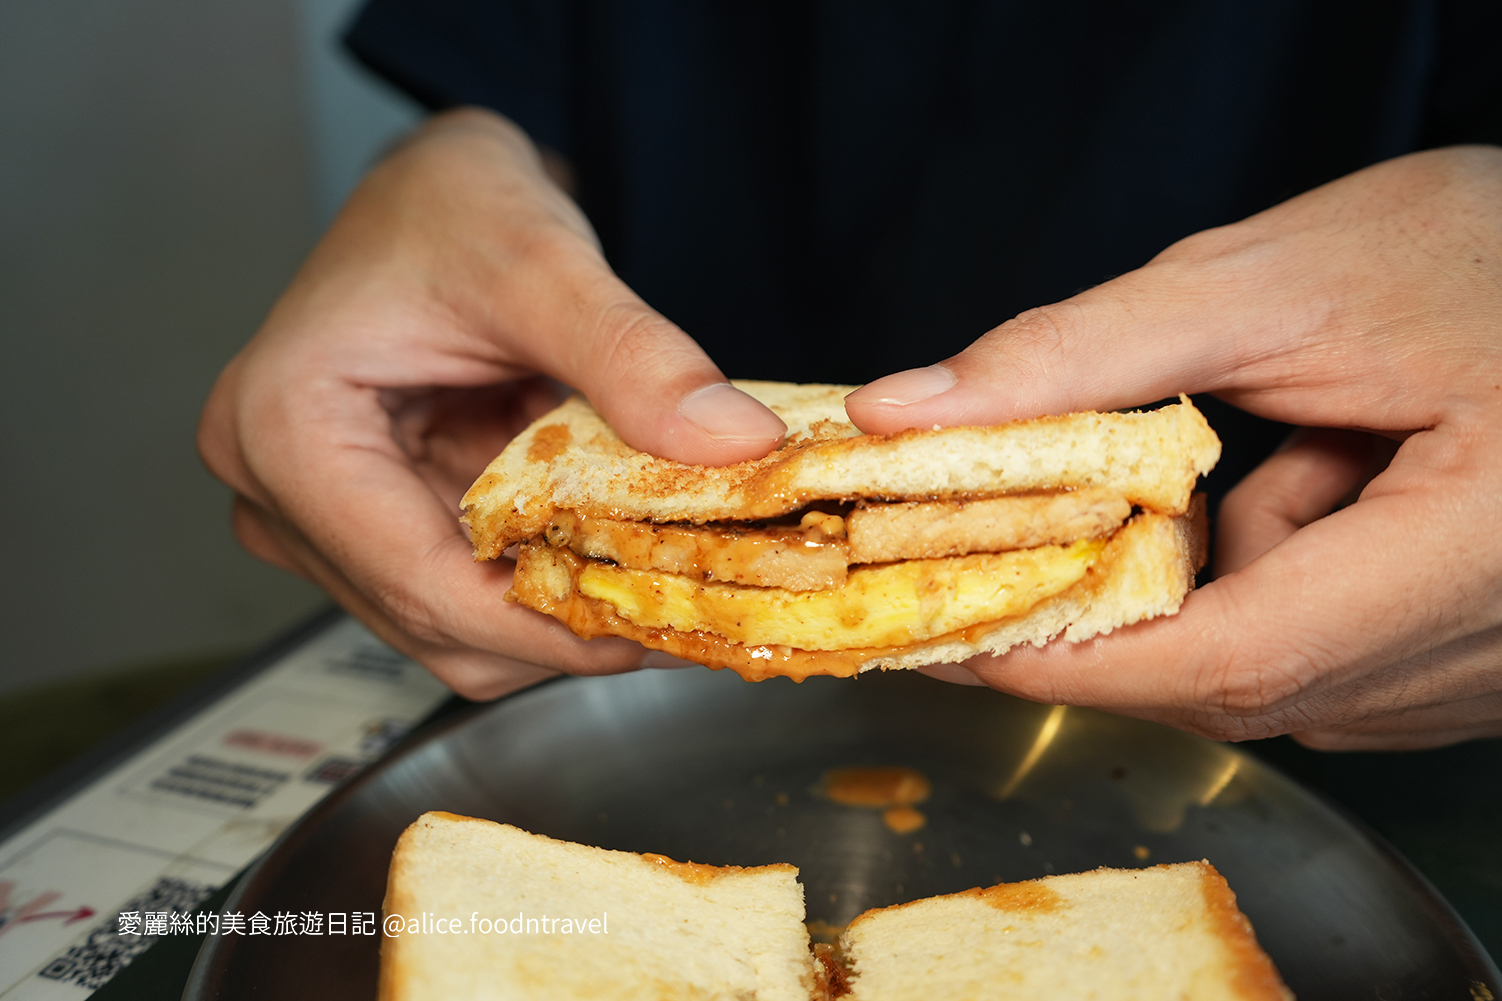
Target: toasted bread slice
(638, 927)
(571, 460)
(479, 910)
(1171, 931)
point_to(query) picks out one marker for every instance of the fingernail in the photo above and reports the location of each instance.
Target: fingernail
(727, 414)
(902, 389)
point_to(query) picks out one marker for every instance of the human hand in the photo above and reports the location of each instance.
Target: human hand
(409, 349)
(1370, 309)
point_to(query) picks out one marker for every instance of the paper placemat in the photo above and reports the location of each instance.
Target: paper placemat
(92, 883)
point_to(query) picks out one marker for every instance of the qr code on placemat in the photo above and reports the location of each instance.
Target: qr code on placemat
(106, 951)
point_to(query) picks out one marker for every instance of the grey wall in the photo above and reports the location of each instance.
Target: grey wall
(164, 165)
(352, 116)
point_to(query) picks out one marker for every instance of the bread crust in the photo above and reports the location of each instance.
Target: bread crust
(570, 459)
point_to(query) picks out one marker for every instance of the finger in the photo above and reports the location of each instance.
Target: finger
(955, 674)
(1423, 740)
(1450, 689)
(495, 275)
(252, 528)
(218, 435)
(658, 389)
(1417, 729)
(473, 672)
(1131, 341)
(450, 435)
(1242, 311)
(419, 588)
(481, 676)
(1303, 481)
(559, 308)
(567, 316)
(1320, 624)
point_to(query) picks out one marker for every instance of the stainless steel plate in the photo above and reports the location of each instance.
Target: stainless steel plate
(702, 766)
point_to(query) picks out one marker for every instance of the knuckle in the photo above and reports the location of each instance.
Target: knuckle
(1204, 244)
(212, 448)
(630, 337)
(1248, 697)
(413, 594)
(1031, 349)
(409, 613)
(1232, 728)
(1040, 336)
(217, 447)
(1252, 682)
(625, 330)
(544, 244)
(248, 523)
(470, 684)
(1251, 693)
(265, 537)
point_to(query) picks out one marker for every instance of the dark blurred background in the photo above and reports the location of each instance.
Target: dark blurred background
(164, 167)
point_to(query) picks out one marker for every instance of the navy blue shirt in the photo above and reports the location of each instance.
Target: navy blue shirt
(831, 191)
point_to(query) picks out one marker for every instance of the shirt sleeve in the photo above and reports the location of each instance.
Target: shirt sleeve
(510, 56)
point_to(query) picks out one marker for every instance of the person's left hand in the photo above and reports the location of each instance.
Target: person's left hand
(419, 337)
(1369, 309)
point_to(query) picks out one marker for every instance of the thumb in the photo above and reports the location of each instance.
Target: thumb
(1136, 339)
(1302, 313)
(534, 293)
(572, 318)
(662, 394)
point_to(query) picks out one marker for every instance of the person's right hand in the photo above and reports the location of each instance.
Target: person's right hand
(1366, 311)
(409, 349)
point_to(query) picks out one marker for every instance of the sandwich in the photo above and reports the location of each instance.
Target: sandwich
(476, 909)
(1169, 931)
(841, 552)
(637, 926)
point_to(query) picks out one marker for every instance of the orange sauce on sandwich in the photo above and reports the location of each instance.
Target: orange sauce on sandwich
(1019, 897)
(690, 872)
(549, 442)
